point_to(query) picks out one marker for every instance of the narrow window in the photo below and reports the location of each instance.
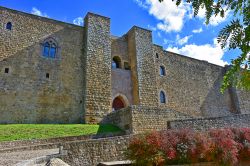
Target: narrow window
(162, 71)
(162, 97)
(157, 55)
(9, 26)
(6, 70)
(47, 75)
(126, 66)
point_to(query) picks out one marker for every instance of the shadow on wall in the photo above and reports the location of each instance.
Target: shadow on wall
(32, 97)
(216, 103)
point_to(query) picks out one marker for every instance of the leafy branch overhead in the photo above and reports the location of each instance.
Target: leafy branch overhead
(235, 35)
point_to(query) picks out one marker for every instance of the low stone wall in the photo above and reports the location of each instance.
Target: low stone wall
(138, 119)
(121, 118)
(92, 152)
(148, 119)
(241, 120)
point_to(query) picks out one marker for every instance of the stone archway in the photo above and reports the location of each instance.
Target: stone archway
(119, 102)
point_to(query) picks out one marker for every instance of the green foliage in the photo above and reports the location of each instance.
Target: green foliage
(43, 131)
(235, 35)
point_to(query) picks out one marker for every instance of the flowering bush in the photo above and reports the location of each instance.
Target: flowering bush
(224, 146)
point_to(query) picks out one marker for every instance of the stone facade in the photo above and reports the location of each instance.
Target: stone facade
(236, 121)
(92, 70)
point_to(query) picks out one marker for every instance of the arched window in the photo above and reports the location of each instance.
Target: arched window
(162, 97)
(162, 71)
(116, 62)
(9, 26)
(50, 48)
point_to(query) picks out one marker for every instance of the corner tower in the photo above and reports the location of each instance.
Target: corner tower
(97, 60)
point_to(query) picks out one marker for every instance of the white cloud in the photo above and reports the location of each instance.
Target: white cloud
(208, 52)
(152, 27)
(141, 3)
(78, 21)
(197, 30)
(37, 12)
(159, 34)
(170, 16)
(214, 20)
(181, 41)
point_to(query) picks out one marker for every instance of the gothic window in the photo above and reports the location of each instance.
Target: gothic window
(162, 71)
(50, 49)
(116, 62)
(162, 97)
(9, 26)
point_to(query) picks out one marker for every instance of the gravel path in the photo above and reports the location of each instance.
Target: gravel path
(10, 159)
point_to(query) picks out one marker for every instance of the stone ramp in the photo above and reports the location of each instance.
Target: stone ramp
(21, 158)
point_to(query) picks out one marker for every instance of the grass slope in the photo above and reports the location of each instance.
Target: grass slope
(42, 131)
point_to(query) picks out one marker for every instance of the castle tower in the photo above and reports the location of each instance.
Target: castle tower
(97, 50)
(140, 48)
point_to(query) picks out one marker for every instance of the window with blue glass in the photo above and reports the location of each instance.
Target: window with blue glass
(162, 71)
(9, 26)
(162, 97)
(49, 49)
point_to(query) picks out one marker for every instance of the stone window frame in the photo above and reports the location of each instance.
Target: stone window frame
(166, 97)
(128, 67)
(9, 26)
(58, 48)
(9, 70)
(164, 70)
(123, 98)
(157, 55)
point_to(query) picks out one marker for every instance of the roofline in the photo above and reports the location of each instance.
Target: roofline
(184, 56)
(40, 17)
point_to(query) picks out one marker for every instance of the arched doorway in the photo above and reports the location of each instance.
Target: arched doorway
(119, 102)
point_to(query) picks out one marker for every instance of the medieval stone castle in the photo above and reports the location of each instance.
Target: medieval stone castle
(55, 72)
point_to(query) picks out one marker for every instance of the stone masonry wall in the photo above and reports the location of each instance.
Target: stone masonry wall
(119, 47)
(98, 68)
(26, 95)
(242, 120)
(192, 86)
(142, 66)
(138, 119)
(121, 84)
(92, 152)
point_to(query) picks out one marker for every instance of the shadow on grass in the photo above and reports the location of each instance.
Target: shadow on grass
(109, 129)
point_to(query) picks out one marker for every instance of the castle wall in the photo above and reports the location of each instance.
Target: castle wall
(192, 86)
(26, 95)
(140, 49)
(121, 84)
(119, 47)
(236, 121)
(98, 68)
(139, 119)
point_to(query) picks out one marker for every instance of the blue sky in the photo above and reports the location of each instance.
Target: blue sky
(173, 27)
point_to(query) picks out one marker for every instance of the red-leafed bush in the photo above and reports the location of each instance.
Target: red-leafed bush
(224, 146)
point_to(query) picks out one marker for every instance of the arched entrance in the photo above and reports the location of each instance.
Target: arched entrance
(119, 102)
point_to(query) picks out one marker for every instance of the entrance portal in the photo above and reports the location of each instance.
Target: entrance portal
(118, 103)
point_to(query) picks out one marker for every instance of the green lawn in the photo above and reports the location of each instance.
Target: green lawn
(42, 131)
